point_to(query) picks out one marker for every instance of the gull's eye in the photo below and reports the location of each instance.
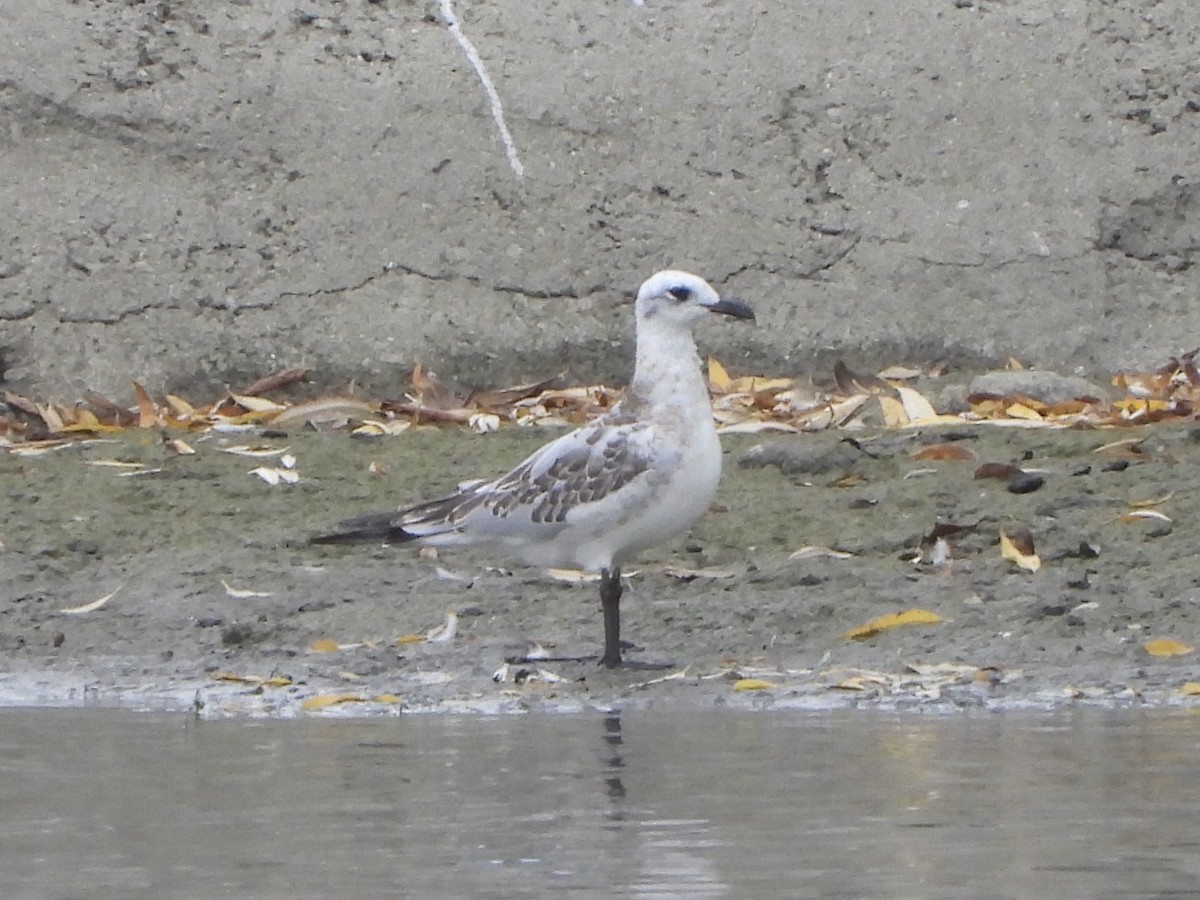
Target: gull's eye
(680, 293)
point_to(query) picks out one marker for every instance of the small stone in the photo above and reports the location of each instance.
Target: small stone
(1025, 483)
(1045, 387)
(235, 634)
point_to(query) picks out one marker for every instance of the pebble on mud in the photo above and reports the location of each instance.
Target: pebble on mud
(1025, 483)
(236, 634)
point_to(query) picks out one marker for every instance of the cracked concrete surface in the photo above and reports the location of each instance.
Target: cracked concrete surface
(198, 193)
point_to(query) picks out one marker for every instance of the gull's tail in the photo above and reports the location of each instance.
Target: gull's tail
(371, 528)
(426, 520)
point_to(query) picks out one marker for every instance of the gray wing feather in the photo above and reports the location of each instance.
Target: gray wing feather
(583, 467)
(574, 474)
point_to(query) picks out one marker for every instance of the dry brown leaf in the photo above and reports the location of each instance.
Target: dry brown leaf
(685, 574)
(115, 464)
(851, 382)
(1152, 501)
(256, 404)
(24, 404)
(147, 414)
(275, 381)
(88, 607)
(900, 373)
(947, 451)
(53, 421)
(272, 681)
(242, 593)
(326, 411)
(508, 397)
(1139, 515)
(811, 551)
(997, 470)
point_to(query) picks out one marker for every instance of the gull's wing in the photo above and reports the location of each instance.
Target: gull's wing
(572, 478)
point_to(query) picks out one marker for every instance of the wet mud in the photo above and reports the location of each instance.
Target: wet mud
(222, 606)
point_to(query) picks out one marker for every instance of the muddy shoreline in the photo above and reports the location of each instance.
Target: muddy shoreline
(222, 607)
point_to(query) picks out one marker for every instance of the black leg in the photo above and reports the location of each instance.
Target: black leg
(610, 602)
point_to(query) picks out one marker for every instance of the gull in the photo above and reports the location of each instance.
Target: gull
(634, 477)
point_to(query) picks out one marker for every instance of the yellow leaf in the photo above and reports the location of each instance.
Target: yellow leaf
(1167, 647)
(849, 480)
(894, 415)
(1190, 688)
(257, 404)
(385, 698)
(758, 384)
(1017, 547)
(1151, 501)
(752, 684)
(180, 407)
(85, 419)
(718, 378)
(1021, 411)
(1133, 406)
(892, 620)
(324, 645)
(411, 639)
(238, 679)
(321, 701)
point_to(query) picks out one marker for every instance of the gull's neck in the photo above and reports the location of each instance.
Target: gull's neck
(666, 373)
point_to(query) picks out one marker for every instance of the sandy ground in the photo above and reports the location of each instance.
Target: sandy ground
(723, 603)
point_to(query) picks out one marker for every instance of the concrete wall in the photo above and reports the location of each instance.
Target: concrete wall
(195, 193)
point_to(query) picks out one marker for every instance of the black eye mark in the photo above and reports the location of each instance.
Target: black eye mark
(680, 293)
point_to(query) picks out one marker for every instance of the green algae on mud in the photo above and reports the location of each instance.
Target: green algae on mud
(174, 539)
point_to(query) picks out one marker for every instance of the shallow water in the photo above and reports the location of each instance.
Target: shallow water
(1078, 804)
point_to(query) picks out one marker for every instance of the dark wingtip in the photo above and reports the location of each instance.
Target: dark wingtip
(380, 527)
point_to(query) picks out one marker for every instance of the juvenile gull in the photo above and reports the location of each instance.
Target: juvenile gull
(634, 477)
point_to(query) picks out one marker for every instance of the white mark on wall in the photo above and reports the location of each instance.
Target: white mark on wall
(510, 146)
